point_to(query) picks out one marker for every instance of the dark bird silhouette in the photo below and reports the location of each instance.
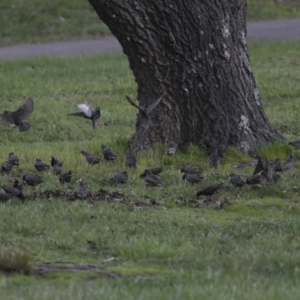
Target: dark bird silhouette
(56, 161)
(15, 190)
(17, 117)
(56, 165)
(120, 177)
(40, 165)
(213, 156)
(152, 179)
(90, 158)
(254, 179)
(236, 180)
(32, 180)
(107, 153)
(13, 158)
(261, 164)
(130, 161)
(290, 163)
(296, 144)
(192, 177)
(145, 111)
(65, 177)
(6, 166)
(210, 190)
(155, 171)
(88, 112)
(81, 191)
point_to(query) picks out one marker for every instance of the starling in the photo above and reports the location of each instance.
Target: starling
(192, 177)
(6, 166)
(152, 179)
(41, 166)
(65, 177)
(17, 117)
(88, 112)
(13, 159)
(143, 118)
(261, 165)
(209, 190)
(296, 144)
(130, 161)
(107, 153)
(254, 179)
(15, 190)
(32, 180)
(277, 165)
(236, 180)
(81, 191)
(56, 161)
(90, 158)
(271, 176)
(121, 177)
(154, 171)
(290, 163)
(56, 165)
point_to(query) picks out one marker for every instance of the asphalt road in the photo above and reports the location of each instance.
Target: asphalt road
(256, 31)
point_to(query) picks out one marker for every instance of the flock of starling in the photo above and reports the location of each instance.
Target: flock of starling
(265, 170)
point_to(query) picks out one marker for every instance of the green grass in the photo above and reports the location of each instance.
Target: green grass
(174, 250)
(36, 21)
(272, 10)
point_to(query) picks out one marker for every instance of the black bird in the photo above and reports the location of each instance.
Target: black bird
(88, 112)
(40, 165)
(130, 161)
(81, 191)
(107, 153)
(13, 158)
(236, 180)
(155, 171)
(56, 165)
(120, 177)
(65, 177)
(214, 156)
(90, 158)
(32, 180)
(210, 190)
(15, 190)
(143, 117)
(296, 144)
(262, 164)
(254, 179)
(17, 117)
(56, 161)
(6, 166)
(152, 179)
(192, 177)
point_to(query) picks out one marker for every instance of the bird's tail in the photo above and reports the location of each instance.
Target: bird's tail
(24, 126)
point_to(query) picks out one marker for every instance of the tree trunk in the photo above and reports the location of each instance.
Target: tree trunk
(195, 52)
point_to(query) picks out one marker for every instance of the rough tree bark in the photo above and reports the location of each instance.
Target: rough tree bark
(196, 52)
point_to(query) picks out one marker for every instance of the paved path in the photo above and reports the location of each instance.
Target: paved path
(257, 31)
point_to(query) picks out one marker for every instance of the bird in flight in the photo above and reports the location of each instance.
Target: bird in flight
(17, 117)
(88, 112)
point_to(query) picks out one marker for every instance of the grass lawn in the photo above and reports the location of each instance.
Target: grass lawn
(36, 21)
(147, 243)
